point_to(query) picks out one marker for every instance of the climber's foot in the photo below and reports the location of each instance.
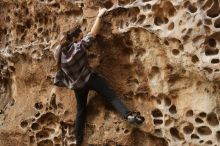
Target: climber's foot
(135, 118)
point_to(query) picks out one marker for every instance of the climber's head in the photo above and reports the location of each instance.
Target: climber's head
(73, 35)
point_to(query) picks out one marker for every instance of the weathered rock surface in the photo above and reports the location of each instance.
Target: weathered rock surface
(161, 57)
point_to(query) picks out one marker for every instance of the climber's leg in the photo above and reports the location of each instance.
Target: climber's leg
(100, 85)
(81, 98)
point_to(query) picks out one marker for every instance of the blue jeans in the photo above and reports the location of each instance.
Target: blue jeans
(100, 85)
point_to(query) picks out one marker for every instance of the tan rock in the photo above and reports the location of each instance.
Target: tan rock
(160, 56)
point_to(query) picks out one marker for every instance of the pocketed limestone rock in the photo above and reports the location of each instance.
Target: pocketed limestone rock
(160, 56)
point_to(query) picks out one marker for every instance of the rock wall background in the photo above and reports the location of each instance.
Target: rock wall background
(160, 56)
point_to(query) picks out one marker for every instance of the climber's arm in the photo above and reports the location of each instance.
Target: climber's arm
(88, 39)
(97, 23)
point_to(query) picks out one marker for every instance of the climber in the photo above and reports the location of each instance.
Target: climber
(74, 73)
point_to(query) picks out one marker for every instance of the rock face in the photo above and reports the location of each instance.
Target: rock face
(161, 57)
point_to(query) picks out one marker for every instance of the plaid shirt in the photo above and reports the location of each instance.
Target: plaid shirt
(75, 70)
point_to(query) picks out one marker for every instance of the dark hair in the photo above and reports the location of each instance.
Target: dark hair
(68, 38)
(73, 33)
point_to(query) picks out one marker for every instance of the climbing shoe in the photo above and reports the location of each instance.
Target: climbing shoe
(135, 118)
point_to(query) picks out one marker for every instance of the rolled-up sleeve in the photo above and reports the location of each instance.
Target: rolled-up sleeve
(86, 41)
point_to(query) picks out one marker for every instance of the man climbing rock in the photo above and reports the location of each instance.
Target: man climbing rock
(75, 73)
